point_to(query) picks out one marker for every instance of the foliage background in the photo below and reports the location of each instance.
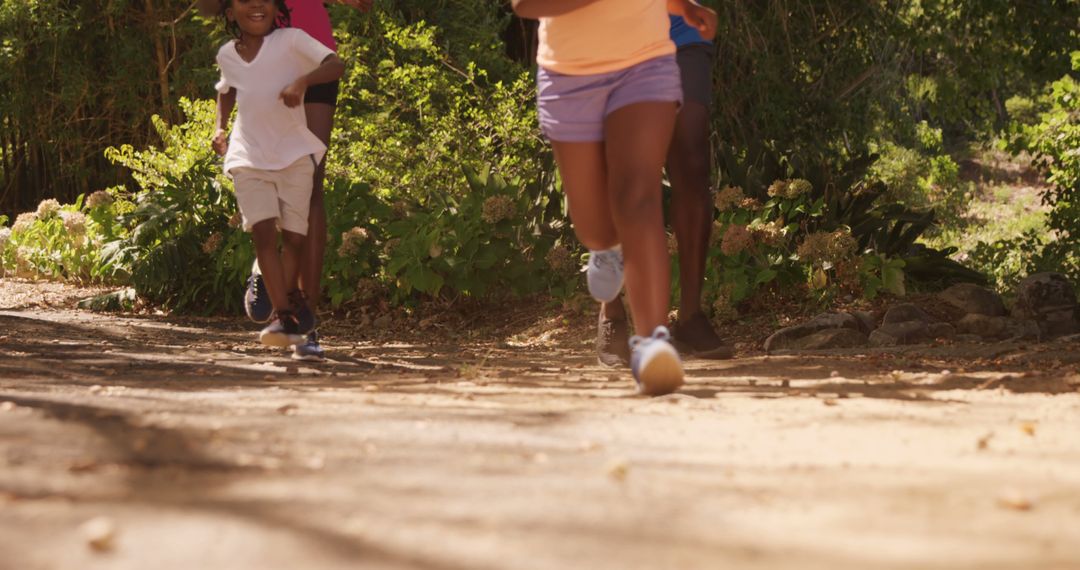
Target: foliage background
(441, 186)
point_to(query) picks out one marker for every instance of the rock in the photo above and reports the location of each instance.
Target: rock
(972, 299)
(867, 322)
(1049, 299)
(831, 338)
(983, 326)
(904, 313)
(785, 338)
(894, 334)
(941, 330)
(1024, 329)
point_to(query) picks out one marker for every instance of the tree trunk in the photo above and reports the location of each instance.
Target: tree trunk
(162, 59)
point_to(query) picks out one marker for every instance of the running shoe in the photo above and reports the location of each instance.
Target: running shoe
(612, 341)
(283, 330)
(604, 274)
(655, 363)
(298, 300)
(696, 336)
(309, 350)
(256, 300)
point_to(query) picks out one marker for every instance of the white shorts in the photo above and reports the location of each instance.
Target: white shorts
(284, 195)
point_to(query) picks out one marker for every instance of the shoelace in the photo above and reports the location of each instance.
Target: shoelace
(607, 259)
(659, 333)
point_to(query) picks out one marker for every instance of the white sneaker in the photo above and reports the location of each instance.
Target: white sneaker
(604, 274)
(655, 364)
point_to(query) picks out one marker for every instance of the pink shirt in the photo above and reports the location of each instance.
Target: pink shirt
(311, 16)
(605, 36)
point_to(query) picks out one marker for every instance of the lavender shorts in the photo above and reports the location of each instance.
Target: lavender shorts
(573, 107)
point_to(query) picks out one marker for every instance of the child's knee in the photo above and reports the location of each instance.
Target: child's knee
(264, 232)
(292, 240)
(636, 198)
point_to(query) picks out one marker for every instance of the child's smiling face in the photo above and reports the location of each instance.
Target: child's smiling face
(255, 17)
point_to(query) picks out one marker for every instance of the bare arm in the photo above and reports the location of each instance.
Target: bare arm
(697, 16)
(225, 104)
(535, 9)
(331, 69)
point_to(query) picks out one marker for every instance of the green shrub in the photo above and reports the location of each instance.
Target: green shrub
(54, 242)
(1049, 130)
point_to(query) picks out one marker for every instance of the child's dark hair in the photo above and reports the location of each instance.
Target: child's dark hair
(284, 18)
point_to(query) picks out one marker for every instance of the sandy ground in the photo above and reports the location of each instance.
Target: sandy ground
(193, 448)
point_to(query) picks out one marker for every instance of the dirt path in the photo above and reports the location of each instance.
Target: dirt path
(204, 451)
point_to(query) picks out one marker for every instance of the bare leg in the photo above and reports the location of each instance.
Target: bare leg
(585, 183)
(637, 139)
(691, 207)
(292, 252)
(320, 119)
(265, 236)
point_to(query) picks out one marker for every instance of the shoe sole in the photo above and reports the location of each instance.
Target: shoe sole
(281, 340)
(662, 375)
(308, 358)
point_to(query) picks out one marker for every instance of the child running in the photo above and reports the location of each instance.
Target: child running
(691, 212)
(272, 155)
(608, 89)
(320, 104)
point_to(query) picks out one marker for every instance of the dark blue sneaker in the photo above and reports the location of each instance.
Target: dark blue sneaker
(256, 300)
(309, 351)
(283, 331)
(306, 318)
(655, 364)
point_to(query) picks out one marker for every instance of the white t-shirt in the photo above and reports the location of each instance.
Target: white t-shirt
(267, 134)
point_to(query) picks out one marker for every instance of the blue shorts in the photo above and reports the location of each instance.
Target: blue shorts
(572, 108)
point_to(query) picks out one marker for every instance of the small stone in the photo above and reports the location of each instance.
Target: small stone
(1028, 428)
(97, 389)
(288, 410)
(99, 533)
(1015, 500)
(785, 383)
(618, 469)
(829, 401)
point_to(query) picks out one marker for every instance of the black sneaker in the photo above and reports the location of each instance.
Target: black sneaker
(697, 337)
(283, 331)
(256, 299)
(612, 341)
(306, 318)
